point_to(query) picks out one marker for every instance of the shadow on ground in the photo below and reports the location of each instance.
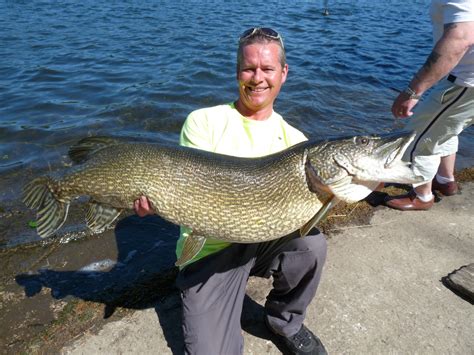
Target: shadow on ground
(143, 274)
(142, 277)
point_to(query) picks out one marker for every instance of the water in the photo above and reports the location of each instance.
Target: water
(70, 69)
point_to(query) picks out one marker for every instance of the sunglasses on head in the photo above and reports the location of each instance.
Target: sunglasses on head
(262, 31)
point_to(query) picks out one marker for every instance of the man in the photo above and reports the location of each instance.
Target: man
(446, 111)
(213, 284)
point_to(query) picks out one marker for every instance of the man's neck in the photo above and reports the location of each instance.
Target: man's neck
(260, 115)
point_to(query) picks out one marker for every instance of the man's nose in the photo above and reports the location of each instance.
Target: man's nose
(258, 75)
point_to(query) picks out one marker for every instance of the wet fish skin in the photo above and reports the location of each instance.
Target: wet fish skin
(231, 198)
(243, 200)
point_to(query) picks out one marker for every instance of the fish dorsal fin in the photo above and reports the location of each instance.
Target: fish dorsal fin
(319, 216)
(350, 190)
(86, 147)
(192, 246)
(99, 216)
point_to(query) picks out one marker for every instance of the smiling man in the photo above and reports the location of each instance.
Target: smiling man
(213, 284)
(261, 71)
(248, 127)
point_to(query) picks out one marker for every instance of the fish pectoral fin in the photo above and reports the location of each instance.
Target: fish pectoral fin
(319, 216)
(99, 216)
(192, 246)
(313, 180)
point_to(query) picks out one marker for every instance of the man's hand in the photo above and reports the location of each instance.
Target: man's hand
(456, 40)
(142, 207)
(402, 106)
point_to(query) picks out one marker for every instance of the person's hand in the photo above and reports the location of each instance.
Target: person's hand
(142, 207)
(402, 106)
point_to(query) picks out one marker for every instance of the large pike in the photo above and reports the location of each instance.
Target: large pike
(241, 200)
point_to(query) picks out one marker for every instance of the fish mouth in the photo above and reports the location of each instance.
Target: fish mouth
(393, 147)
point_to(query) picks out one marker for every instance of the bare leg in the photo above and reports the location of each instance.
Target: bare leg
(446, 167)
(424, 189)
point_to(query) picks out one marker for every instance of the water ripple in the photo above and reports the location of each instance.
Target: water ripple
(72, 69)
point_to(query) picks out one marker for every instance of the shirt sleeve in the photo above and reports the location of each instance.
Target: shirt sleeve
(195, 132)
(298, 137)
(293, 135)
(458, 11)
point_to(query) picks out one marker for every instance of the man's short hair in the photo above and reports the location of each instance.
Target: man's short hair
(261, 39)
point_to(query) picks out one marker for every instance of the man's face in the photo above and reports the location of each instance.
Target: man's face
(260, 76)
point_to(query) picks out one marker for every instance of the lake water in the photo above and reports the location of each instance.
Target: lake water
(69, 69)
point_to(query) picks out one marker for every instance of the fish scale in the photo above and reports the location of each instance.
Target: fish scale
(242, 200)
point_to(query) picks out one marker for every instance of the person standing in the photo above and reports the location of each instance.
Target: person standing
(446, 111)
(213, 284)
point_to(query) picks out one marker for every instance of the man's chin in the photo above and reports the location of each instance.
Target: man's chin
(258, 100)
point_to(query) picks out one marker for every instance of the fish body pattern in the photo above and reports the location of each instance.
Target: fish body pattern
(242, 200)
(236, 199)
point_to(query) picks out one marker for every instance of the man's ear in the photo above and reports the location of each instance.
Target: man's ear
(284, 73)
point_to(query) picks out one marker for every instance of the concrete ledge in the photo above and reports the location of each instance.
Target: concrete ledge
(381, 292)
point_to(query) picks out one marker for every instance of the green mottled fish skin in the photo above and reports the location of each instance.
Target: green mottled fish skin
(233, 199)
(243, 200)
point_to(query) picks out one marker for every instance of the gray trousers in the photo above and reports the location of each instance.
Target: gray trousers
(213, 290)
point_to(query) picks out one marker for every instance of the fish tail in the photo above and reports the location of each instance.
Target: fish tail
(51, 212)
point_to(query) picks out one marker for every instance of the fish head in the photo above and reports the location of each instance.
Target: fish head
(352, 167)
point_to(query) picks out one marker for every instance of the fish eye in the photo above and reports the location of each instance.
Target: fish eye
(363, 140)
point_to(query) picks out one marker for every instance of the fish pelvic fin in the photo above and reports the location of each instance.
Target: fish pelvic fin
(192, 246)
(86, 147)
(319, 216)
(99, 216)
(51, 211)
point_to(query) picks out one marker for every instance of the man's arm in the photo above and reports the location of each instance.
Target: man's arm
(456, 40)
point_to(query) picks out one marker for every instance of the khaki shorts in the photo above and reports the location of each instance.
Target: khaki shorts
(437, 121)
